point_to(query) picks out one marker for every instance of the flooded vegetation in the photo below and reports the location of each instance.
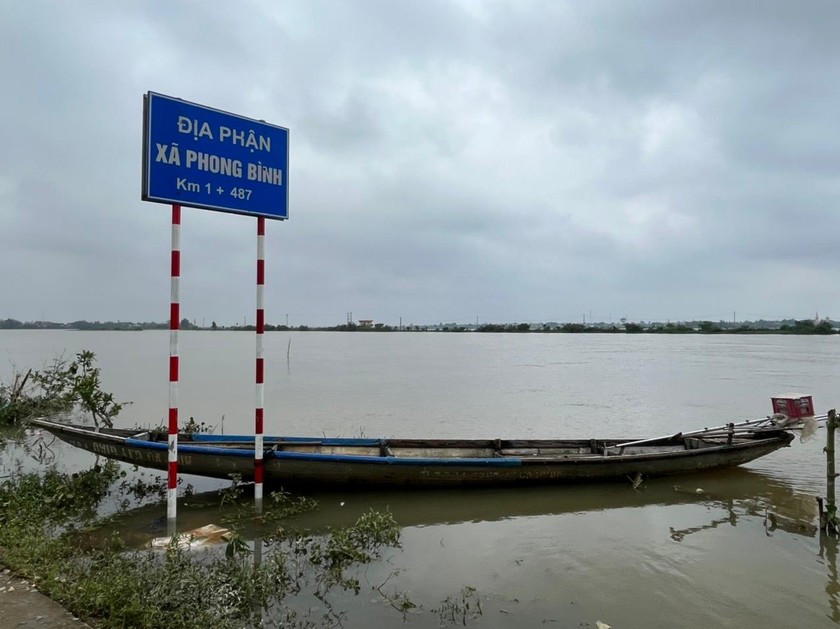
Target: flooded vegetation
(53, 532)
(61, 387)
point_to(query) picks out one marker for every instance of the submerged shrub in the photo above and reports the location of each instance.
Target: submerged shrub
(61, 387)
(42, 516)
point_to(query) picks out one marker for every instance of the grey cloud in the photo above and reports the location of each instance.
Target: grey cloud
(514, 161)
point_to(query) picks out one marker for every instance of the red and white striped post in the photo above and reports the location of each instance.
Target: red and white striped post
(174, 326)
(260, 385)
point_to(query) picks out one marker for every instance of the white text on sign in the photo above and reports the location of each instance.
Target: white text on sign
(207, 162)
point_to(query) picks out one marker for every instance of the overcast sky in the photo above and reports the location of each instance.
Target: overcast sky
(506, 161)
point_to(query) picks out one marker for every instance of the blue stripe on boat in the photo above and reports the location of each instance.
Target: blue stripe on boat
(331, 458)
(250, 438)
(188, 449)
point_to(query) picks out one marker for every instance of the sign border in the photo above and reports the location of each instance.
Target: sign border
(146, 159)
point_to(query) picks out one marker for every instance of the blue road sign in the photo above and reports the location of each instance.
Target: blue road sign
(202, 157)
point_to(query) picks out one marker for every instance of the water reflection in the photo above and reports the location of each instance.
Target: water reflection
(739, 492)
(800, 523)
(22, 450)
(828, 555)
(744, 491)
(681, 511)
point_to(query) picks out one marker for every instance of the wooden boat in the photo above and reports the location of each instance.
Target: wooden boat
(305, 461)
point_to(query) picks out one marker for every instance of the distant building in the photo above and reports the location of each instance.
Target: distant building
(365, 323)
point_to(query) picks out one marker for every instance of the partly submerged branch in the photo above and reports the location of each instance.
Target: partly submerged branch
(61, 387)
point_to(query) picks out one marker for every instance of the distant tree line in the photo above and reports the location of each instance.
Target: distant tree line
(14, 324)
(790, 326)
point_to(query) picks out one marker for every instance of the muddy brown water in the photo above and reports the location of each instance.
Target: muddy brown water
(734, 548)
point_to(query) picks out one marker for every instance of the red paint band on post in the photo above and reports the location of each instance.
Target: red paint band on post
(260, 370)
(176, 214)
(259, 422)
(176, 263)
(173, 475)
(260, 321)
(261, 226)
(173, 368)
(175, 316)
(260, 272)
(173, 420)
(258, 470)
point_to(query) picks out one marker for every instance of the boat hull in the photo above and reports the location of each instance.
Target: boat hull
(293, 462)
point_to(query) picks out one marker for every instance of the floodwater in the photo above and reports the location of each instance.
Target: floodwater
(736, 548)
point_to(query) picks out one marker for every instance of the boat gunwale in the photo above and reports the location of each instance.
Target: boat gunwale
(133, 441)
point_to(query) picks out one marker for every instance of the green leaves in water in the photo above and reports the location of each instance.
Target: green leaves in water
(61, 387)
(37, 502)
(43, 515)
(355, 545)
